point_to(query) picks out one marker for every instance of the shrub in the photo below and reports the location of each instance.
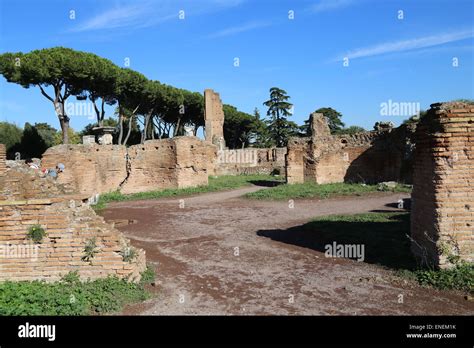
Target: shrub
(36, 233)
(90, 250)
(70, 296)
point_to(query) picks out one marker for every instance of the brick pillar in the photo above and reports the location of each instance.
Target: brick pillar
(3, 157)
(442, 217)
(214, 118)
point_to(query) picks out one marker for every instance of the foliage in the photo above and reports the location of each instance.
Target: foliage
(242, 129)
(279, 128)
(460, 277)
(36, 233)
(320, 191)
(74, 138)
(32, 144)
(90, 250)
(333, 117)
(10, 136)
(64, 70)
(47, 133)
(128, 253)
(70, 296)
(350, 130)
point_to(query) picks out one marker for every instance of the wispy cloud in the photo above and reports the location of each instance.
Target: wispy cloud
(122, 16)
(239, 29)
(148, 13)
(330, 5)
(407, 45)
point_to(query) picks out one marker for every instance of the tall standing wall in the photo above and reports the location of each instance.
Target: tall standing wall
(442, 218)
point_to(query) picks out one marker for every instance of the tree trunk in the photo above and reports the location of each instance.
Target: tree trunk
(120, 126)
(146, 126)
(176, 129)
(102, 114)
(129, 130)
(64, 122)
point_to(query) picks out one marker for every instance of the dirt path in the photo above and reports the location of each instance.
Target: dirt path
(212, 257)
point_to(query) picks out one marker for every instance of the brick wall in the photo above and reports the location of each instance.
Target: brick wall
(367, 157)
(157, 164)
(250, 161)
(89, 169)
(26, 199)
(442, 218)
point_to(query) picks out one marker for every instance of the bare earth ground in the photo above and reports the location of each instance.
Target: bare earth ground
(199, 271)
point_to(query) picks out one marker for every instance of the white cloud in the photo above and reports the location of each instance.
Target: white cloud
(148, 13)
(330, 5)
(406, 45)
(114, 18)
(239, 29)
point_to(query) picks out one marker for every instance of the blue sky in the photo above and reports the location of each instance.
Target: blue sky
(402, 60)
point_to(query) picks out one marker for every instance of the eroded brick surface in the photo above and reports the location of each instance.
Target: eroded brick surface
(27, 199)
(442, 222)
(366, 157)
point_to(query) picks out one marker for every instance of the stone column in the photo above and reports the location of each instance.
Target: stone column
(214, 118)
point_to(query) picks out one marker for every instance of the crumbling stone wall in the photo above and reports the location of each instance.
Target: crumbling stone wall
(178, 162)
(442, 217)
(89, 169)
(26, 199)
(368, 157)
(250, 161)
(157, 164)
(214, 118)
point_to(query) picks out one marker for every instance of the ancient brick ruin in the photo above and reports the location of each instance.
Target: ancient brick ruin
(368, 157)
(28, 200)
(157, 164)
(214, 118)
(442, 219)
(251, 161)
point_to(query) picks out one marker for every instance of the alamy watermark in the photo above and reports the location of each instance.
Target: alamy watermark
(349, 251)
(394, 108)
(82, 108)
(242, 156)
(19, 251)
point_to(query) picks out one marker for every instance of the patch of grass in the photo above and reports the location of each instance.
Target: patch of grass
(69, 296)
(321, 191)
(219, 183)
(459, 277)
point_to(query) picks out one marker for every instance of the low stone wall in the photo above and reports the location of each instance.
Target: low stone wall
(367, 157)
(89, 169)
(442, 218)
(158, 164)
(26, 199)
(250, 161)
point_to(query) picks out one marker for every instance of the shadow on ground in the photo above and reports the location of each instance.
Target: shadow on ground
(266, 183)
(385, 242)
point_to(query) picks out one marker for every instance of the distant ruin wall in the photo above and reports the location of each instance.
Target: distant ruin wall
(367, 157)
(442, 217)
(154, 165)
(26, 199)
(250, 161)
(214, 118)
